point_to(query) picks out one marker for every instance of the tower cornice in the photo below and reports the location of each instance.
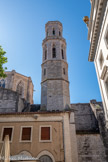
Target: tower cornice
(53, 38)
(53, 22)
(54, 60)
(54, 79)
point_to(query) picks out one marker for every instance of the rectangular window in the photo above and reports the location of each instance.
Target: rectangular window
(45, 54)
(44, 71)
(106, 37)
(54, 52)
(7, 131)
(101, 59)
(26, 134)
(45, 134)
(62, 54)
(64, 71)
(106, 86)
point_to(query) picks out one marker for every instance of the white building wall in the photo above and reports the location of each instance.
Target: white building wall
(102, 72)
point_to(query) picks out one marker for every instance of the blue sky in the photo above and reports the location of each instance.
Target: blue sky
(22, 29)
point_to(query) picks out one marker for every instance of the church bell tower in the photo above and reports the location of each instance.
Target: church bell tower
(55, 84)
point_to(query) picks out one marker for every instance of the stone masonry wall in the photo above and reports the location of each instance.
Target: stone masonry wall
(89, 142)
(10, 101)
(84, 117)
(90, 148)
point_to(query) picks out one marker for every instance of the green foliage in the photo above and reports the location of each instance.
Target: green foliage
(3, 60)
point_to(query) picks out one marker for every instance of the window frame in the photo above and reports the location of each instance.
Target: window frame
(45, 141)
(30, 135)
(1, 141)
(101, 61)
(105, 37)
(106, 89)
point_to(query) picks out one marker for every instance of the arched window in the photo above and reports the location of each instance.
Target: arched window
(44, 71)
(62, 53)
(64, 71)
(47, 33)
(45, 158)
(2, 83)
(53, 32)
(20, 88)
(59, 33)
(45, 54)
(54, 52)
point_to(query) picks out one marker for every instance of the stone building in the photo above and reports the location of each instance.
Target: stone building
(55, 131)
(98, 36)
(18, 83)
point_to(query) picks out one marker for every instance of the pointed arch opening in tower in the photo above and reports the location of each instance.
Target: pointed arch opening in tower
(20, 88)
(64, 72)
(53, 31)
(59, 33)
(2, 83)
(54, 51)
(62, 53)
(45, 54)
(44, 71)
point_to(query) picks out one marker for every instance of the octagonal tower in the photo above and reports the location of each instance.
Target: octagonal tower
(55, 84)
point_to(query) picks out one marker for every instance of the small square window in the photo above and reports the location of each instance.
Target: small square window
(7, 131)
(106, 37)
(26, 134)
(101, 60)
(45, 134)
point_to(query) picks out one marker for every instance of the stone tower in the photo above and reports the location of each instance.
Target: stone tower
(55, 84)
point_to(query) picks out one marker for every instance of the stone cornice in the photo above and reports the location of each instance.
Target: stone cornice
(53, 22)
(95, 29)
(53, 61)
(55, 79)
(91, 19)
(54, 38)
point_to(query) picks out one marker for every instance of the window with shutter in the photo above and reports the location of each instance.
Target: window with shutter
(7, 131)
(45, 133)
(26, 134)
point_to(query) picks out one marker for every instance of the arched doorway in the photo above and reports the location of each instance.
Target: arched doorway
(45, 158)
